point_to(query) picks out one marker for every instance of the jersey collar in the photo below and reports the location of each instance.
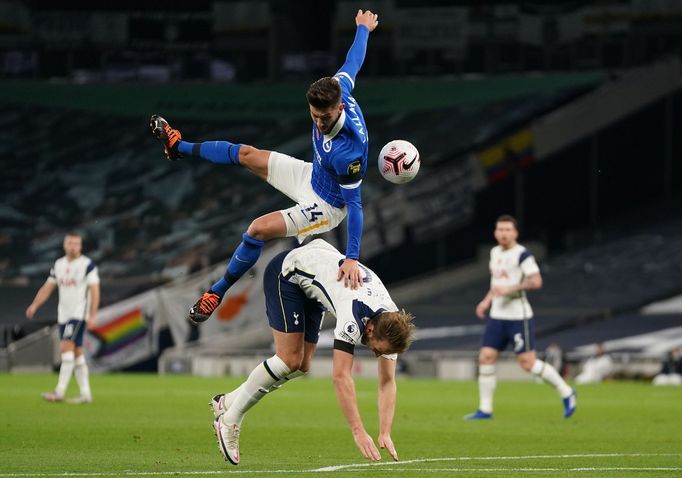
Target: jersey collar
(337, 127)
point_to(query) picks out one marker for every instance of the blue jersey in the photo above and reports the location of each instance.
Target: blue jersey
(340, 157)
(342, 152)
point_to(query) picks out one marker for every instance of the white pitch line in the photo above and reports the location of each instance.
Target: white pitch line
(490, 458)
(360, 467)
(523, 470)
(357, 470)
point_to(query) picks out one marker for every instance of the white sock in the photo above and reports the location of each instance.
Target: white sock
(82, 376)
(487, 381)
(551, 376)
(275, 386)
(65, 371)
(279, 383)
(235, 392)
(261, 379)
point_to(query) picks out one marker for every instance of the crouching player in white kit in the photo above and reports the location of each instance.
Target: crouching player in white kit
(513, 271)
(299, 285)
(78, 281)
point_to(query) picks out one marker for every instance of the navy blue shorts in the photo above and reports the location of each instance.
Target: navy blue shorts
(500, 333)
(288, 309)
(73, 331)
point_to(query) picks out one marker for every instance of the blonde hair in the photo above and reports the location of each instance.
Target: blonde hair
(396, 327)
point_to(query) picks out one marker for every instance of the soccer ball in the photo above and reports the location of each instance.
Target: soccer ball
(399, 161)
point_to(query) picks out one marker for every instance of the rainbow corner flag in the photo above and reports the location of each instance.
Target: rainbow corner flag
(121, 332)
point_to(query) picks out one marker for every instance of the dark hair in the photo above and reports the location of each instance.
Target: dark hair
(324, 93)
(73, 234)
(508, 218)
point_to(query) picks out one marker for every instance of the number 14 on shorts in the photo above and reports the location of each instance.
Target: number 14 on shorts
(312, 212)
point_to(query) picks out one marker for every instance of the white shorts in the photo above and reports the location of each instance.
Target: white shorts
(311, 214)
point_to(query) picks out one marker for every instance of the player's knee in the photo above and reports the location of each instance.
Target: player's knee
(293, 361)
(486, 358)
(526, 364)
(305, 365)
(251, 157)
(246, 152)
(267, 227)
(259, 230)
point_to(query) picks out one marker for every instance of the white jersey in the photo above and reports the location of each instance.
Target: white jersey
(508, 268)
(315, 267)
(73, 279)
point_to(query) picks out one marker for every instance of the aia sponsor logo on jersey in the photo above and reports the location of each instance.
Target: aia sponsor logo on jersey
(67, 282)
(499, 274)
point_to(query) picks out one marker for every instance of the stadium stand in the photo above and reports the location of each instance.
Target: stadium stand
(147, 221)
(146, 217)
(570, 154)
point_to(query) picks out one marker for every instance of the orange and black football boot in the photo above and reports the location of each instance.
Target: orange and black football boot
(202, 310)
(170, 138)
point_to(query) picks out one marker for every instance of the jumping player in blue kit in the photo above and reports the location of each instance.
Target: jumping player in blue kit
(325, 191)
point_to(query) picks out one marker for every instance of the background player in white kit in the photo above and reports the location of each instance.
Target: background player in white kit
(299, 285)
(78, 281)
(513, 271)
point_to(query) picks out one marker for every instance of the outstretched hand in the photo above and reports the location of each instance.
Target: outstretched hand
(31, 311)
(482, 308)
(386, 442)
(366, 445)
(367, 18)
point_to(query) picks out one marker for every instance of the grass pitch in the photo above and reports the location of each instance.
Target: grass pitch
(147, 425)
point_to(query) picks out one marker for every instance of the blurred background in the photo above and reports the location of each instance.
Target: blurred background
(566, 115)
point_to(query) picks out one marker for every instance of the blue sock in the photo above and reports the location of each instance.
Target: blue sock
(219, 152)
(242, 260)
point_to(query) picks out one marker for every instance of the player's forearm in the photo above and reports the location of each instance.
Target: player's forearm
(41, 296)
(356, 52)
(345, 394)
(355, 226)
(94, 298)
(529, 283)
(488, 297)
(387, 399)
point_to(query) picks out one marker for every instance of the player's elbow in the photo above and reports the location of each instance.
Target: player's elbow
(535, 282)
(340, 378)
(387, 383)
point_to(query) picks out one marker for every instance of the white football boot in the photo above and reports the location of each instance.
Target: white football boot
(222, 403)
(52, 397)
(228, 440)
(80, 400)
